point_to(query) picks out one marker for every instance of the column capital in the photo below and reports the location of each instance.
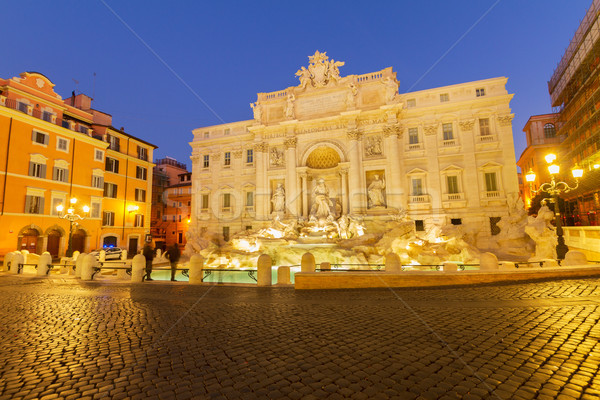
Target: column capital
(290, 142)
(392, 130)
(261, 147)
(505, 120)
(354, 134)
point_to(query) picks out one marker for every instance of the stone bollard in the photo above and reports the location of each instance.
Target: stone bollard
(488, 262)
(283, 276)
(308, 263)
(138, 268)
(449, 266)
(574, 257)
(87, 266)
(196, 269)
(43, 262)
(263, 273)
(7, 261)
(76, 254)
(102, 256)
(325, 266)
(124, 255)
(79, 264)
(392, 263)
(17, 259)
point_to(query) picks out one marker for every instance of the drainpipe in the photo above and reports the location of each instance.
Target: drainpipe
(125, 197)
(6, 166)
(72, 169)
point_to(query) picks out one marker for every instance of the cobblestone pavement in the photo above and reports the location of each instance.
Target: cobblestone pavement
(63, 338)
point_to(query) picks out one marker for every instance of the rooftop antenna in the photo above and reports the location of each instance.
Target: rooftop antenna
(76, 85)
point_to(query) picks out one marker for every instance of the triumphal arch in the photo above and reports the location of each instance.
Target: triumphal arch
(335, 149)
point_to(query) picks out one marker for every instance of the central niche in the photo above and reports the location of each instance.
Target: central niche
(323, 157)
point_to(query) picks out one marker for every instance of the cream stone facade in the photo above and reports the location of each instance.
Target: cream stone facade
(353, 146)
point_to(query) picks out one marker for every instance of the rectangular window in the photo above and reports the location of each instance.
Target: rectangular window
(65, 124)
(417, 187)
(40, 138)
(456, 221)
(494, 228)
(142, 153)
(206, 162)
(249, 199)
(62, 144)
(452, 182)
(227, 132)
(108, 218)
(490, 182)
(484, 126)
(114, 143)
(448, 133)
(226, 201)
(97, 181)
(205, 201)
(34, 205)
(110, 190)
(419, 225)
(227, 158)
(47, 116)
(179, 217)
(444, 97)
(248, 227)
(410, 103)
(38, 170)
(112, 165)
(180, 237)
(23, 107)
(60, 174)
(98, 155)
(139, 220)
(249, 156)
(140, 195)
(141, 173)
(413, 135)
(84, 129)
(480, 92)
(95, 212)
(206, 135)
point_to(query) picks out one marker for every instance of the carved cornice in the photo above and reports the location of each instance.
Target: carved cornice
(466, 125)
(505, 120)
(389, 130)
(290, 142)
(261, 147)
(354, 134)
(430, 129)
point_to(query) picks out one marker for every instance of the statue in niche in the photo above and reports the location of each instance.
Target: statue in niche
(391, 89)
(278, 198)
(373, 146)
(375, 192)
(276, 158)
(321, 208)
(289, 107)
(257, 109)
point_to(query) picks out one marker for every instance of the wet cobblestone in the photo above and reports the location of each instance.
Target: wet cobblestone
(63, 338)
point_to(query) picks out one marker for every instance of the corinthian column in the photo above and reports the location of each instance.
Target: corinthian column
(291, 179)
(394, 187)
(356, 195)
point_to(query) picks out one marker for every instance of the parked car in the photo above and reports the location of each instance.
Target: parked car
(112, 253)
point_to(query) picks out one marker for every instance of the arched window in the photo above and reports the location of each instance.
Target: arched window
(549, 131)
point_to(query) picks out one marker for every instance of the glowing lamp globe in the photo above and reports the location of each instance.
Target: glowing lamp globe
(553, 169)
(550, 158)
(530, 177)
(577, 171)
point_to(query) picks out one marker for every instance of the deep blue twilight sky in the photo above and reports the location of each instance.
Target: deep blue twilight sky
(227, 51)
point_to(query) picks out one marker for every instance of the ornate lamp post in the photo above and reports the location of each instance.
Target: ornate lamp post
(554, 189)
(71, 217)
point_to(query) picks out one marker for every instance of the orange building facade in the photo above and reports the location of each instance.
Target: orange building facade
(542, 139)
(53, 150)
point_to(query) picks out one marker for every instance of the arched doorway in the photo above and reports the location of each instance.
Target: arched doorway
(109, 241)
(78, 242)
(29, 239)
(53, 244)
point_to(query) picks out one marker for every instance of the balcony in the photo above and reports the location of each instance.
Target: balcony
(492, 197)
(451, 200)
(419, 202)
(486, 142)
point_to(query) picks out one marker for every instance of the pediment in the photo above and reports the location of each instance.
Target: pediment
(38, 82)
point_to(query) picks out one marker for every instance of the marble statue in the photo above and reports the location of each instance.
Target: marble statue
(257, 109)
(278, 198)
(276, 157)
(321, 208)
(351, 95)
(375, 192)
(373, 146)
(304, 75)
(513, 225)
(289, 107)
(391, 89)
(321, 71)
(543, 234)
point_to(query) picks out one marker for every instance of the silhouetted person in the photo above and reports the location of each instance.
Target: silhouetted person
(173, 255)
(148, 252)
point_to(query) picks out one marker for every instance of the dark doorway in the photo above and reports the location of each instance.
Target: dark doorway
(53, 243)
(79, 240)
(29, 241)
(133, 246)
(109, 241)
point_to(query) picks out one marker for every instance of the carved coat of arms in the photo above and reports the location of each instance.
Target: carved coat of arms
(321, 71)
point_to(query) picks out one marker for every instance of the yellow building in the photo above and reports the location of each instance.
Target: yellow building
(53, 150)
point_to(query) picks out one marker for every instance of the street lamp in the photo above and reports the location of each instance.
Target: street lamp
(554, 189)
(71, 217)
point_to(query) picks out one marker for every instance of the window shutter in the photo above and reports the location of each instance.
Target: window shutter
(116, 166)
(43, 171)
(31, 166)
(102, 182)
(41, 205)
(66, 176)
(27, 204)
(46, 139)
(33, 136)
(54, 174)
